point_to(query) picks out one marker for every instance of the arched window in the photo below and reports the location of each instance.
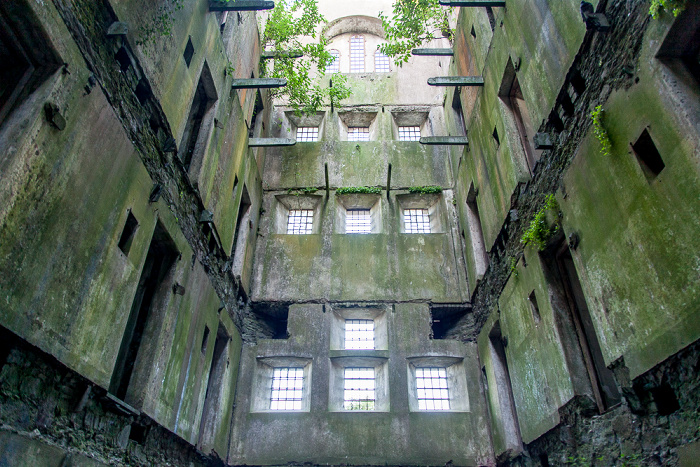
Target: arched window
(357, 54)
(334, 66)
(381, 63)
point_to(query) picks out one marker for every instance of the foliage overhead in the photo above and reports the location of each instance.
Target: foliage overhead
(358, 189)
(286, 25)
(414, 22)
(674, 6)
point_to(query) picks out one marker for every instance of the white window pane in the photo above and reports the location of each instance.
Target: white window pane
(334, 66)
(307, 134)
(358, 221)
(358, 134)
(416, 221)
(300, 221)
(431, 389)
(286, 391)
(357, 54)
(409, 133)
(381, 63)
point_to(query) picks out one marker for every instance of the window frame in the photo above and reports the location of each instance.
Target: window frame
(385, 62)
(261, 394)
(334, 66)
(458, 392)
(354, 59)
(309, 134)
(336, 399)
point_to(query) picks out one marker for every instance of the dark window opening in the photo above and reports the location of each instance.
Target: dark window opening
(142, 91)
(544, 459)
(492, 18)
(160, 258)
(681, 48)
(444, 317)
(26, 57)
(272, 319)
(473, 32)
(665, 399)
(122, 57)
(648, 156)
(461, 128)
(202, 103)
(578, 82)
(189, 52)
(205, 339)
(128, 232)
(216, 387)
(242, 224)
(138, 432)
(257, 110)
(506, 418)
(495, 137)
(556, 121)
(534, 307)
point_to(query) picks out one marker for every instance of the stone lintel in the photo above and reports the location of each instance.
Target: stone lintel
(433, 52)
(456, 81)
(259, 83)
(270, 142)
(444, 140)
(473, 3)
(240, 5)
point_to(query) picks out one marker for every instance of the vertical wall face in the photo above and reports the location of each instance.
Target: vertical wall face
(113, 146)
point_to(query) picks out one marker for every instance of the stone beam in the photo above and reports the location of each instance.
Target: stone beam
(240, 5)
(270, 142)
(444, 140)
(457, 81)
(269, 54)
(433, 52)
(259, 83)
(473, 3)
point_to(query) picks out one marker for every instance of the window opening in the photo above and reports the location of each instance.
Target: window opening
(501, 391)
(359, 391)
(307, 134)
(381, 63)
(409, 133)
(205, 339)
(416, 221)
(215, 387)
(481, 259)
(357, 54)
(160, 259)
(431, 389)
(461, 128)
(495, 137)
(334, 65)
(300, 221)
(532, 299)
(359, 334)
(665, 399)
(189, 52)
(257, 110)
(202, 102)
(222, 16)
(473, 32)
(492, 18)
(127, 236)
(648, 156)
(358, 134)
(243, 229)
(122, 56)
(287, 388)
(358, 221)
(142, 91)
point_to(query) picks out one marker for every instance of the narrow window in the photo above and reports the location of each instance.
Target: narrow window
(357, 54)
(458, 114)
(189, 52)
(492, 18)
(381, 63)
(222, 16)
(358, 221)
(359, 334)
(334, 65)
(409, 133)
(307, 134)
(257, 110)
(217, 390)
(287, 388)
(416, 221)
(359, 389)
(431, 389)
(648, 156)
(476, 233)
(202, 104)
(128, 232)
(532, 299)
(358, 134)
(143, 91)
(122, 57)
(205, 339)
(473, 32)
(300, 221)
(495, 137)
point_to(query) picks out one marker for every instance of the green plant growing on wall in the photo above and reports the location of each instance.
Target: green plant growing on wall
(309, 190)
(161, 25)
(358, 189)
(600, 131)
(514, 266)
(539, 232)
(674, 6)
(425, 189)
(413, 23)
(288, 23)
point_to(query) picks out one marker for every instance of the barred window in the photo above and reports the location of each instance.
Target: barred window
(359, 334)
(416, 221)
(357, 54)
(359, 391)
(307, 134)
(300, 221)
(287, 388)
(431, 389)
(358, 221)
(358, 134)
(381, 63)
(409, 133)
(334, 66)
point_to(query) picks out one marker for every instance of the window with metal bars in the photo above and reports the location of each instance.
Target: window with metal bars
(409, 133)
(357, 54)
(300, 221)
(286, 391)
(416, 221)
(358, 134)
(358, 221)
(307, 134)
(359, 334)
(359, 393)
(431, 389)
(381, 63)
(334, 66)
